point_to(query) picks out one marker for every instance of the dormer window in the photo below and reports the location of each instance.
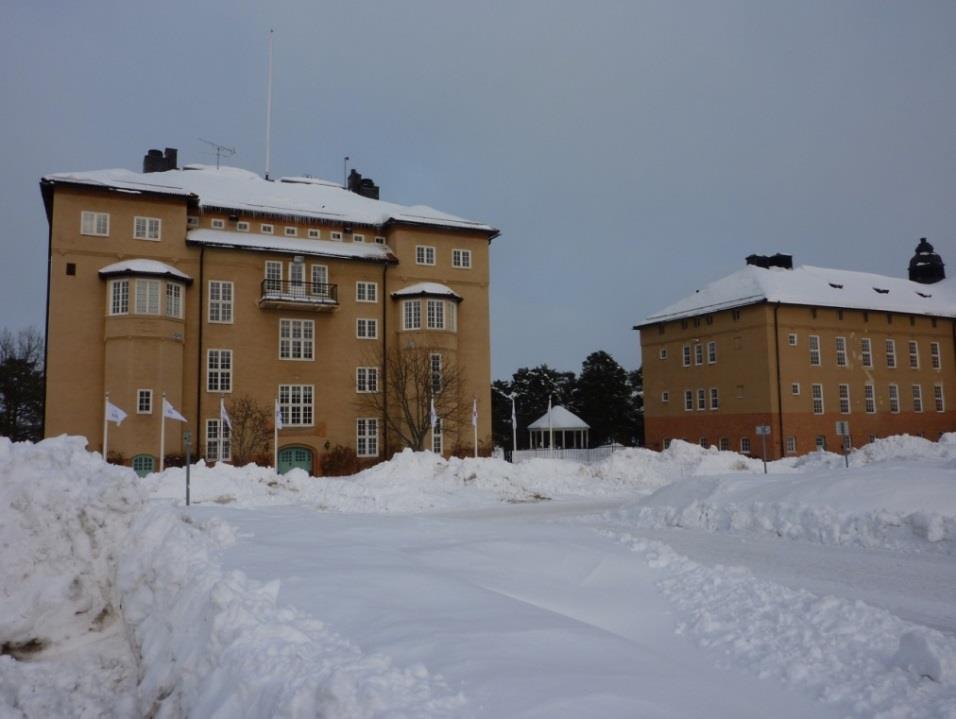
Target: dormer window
(218, 224)
(881, 291)
(835, 286)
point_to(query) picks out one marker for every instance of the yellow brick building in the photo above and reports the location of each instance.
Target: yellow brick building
(202, 283)
(798, 350)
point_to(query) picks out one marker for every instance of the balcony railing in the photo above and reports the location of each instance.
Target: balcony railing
(318, 296)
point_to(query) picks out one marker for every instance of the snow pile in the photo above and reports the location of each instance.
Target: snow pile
(66, 516)
(862, 659)
(216, 644)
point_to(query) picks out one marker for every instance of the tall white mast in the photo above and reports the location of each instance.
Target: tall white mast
(269, 112)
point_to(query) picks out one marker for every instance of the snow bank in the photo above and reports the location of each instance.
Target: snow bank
(859, 658)
(215, 643)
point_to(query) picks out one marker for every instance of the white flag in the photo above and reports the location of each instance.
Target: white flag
(434, 416)
(170, 411)
(278, 415)
(514, 421)
(474, 413)
(114, 413)
(224, 417)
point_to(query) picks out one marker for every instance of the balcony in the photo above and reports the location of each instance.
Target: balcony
(296, 295)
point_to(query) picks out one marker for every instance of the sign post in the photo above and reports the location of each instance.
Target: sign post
(843, 430)
(762, 431)
(187, 443)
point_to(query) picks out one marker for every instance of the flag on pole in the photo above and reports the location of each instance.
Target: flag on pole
(114, 413)
(170, 412)
(474, 413)
(278, 417)
(224, 418)
(514, 420)
(434, 417)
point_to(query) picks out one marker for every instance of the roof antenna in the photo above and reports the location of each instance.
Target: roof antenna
(221, 150)
(269, 111)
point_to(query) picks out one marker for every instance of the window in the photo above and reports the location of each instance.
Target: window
(314, 233)
(379, 240)
(358, 238)
(688, 400)
(821, 443)
(320, 280)
(434, 360)
(95, 223)
(792, 339)
(366, 431)
(894, 393)
(296, 339)
(273, 276)
(192, 221)
(366, 379)
(411, 315)
(436, 314)
(702, 441)
(795, 389)
(869, 399)
(665, 396)
(724, 444)
(938, 399)
(701, 399)
(147, 297)
(366, 329)
(740, 391)
(891, 354)
(687, 355)
(219, 371)
(436, 437)
(242, 227)
(295, 404)
(714, 398)
(814, 350)
(745, 445)
(71, 269)
(336, 236)
(662, 353)
(934, 357)
(119, 297)
(841, 352)
(424, 255)
(291, 231)
(146, 228)
(917, 398)
(698, 354)
(297, 278)
(711, 353)
(366, 292)
(866, 352)
(218, 224)
(267, 229)
(816, 398)
(144, 401)
(143, 464)
(844, 393)
(174, 300)
(791, 445)
(735, 314)
(914, 354)
(217, 441)
(461, 258)
(220, 302)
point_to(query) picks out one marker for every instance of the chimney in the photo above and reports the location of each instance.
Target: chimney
(156, 161)
(363, 186)
(926, 266)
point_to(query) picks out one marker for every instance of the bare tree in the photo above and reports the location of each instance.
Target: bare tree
(21, 384)
(251, 433)
(413, 378)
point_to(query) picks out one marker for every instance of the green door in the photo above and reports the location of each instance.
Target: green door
(295, 457)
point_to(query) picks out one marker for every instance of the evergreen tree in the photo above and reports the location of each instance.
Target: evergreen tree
(21, 385)
(532, 388)
(603, 398)
(635, 380)
(501, 413)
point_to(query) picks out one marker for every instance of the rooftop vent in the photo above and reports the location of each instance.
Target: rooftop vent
(778, 260)
(363, 186)
(157, 161)
(926, 266)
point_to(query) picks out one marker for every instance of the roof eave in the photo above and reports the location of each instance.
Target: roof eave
(389, 258)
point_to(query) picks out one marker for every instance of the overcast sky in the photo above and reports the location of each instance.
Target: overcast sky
(629, 151)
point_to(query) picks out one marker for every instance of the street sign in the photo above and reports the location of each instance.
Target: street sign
(763, 429)
(843, 428)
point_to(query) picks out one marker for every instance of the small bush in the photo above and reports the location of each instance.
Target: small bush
(174, 460)
(340, 461)
(463, 451)
(114, 457)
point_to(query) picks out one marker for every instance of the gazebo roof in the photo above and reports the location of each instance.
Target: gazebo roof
(560, 419)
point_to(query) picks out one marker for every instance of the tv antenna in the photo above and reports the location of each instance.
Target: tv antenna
(221, 150)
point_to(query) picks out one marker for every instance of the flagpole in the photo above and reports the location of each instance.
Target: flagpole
(514, 429)
(275, 435)
(106, 404)
(550, 430)
(162, 436)
(475, 425)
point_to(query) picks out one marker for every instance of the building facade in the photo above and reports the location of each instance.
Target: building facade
(201, 284)
(798, 350)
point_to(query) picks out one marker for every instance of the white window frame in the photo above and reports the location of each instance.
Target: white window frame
(217, 223)
(698, 354)
(935, 358)
(792, 339)
(745, 447)
(95, 224)
(688, 400)
(242, 226)
(435, 314)
(315, 233)
(147, 296)
(701, 399)
(714, 398)
(712, 352)
(662, 353)
(358, 238)
(891, 353)
(219, 308)
(685, 359)
(296, 339)
(425, 255)
(118, 297)
(866, 352)
(319, 278)
(289, 231)
(147, 228)
(939, 397)
(366, 380)
(366, 292)
(411, 314)
(218, 444)
(795, 389)
(174, 300)
(297, 399)
(379, 240)
(918, 398)
(336, 236)
(192, 221)
(366, 328)
(267, 228)
(436, 368)
(843, 394)
(815, 355)
(273, 275)
(437, 437)
(894, 398)
(816, 399)
(461, 259)
(841, 358)
(147, 395)
(791, 445)
(913, 349)
(869, 398)
(219, 370)
(665, 396)
(366, 437)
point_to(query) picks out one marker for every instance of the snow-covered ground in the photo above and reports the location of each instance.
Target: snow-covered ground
(682, 583)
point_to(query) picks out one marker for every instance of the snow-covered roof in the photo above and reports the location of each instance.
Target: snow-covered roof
(818, 286)
(143, 267)
(561, 418)
(427, 288)
(234, 188)
(290, 245)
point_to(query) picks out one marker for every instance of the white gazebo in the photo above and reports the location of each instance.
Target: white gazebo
(569, 430)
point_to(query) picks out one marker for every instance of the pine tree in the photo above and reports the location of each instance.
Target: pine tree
(603, 398)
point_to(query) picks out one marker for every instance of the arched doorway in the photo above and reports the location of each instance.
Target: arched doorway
(290, 457)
